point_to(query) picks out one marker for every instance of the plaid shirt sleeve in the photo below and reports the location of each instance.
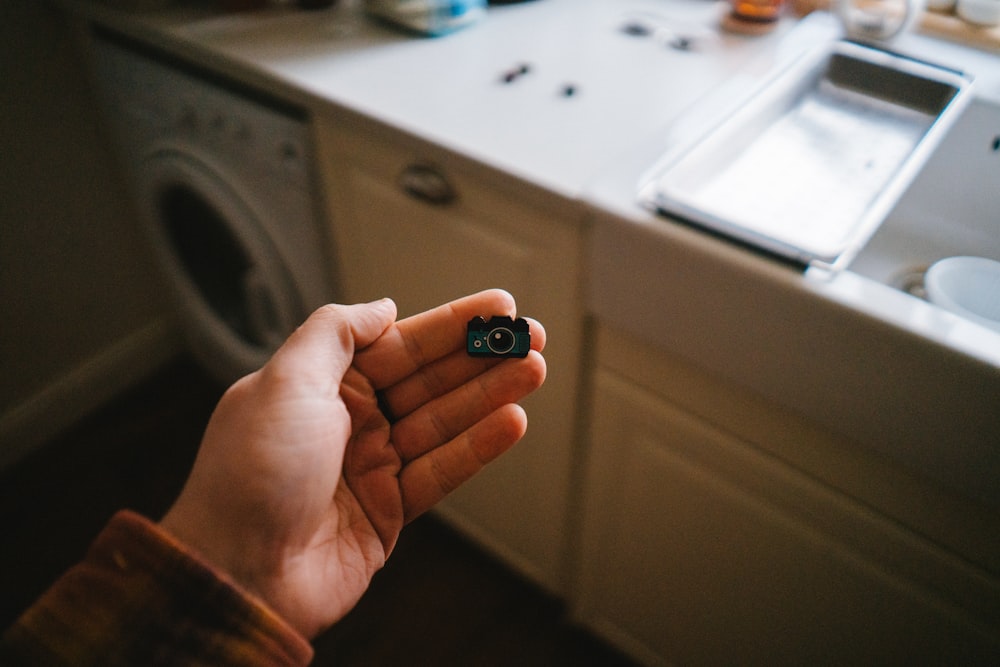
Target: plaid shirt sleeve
(141, 598)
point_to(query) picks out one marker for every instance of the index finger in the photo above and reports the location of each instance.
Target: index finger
(416, 341)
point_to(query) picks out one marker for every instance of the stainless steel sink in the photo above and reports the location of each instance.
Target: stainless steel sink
(810, 166)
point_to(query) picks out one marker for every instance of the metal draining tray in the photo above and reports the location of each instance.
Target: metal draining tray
(812, 164)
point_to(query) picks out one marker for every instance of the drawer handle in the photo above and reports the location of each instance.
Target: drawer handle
(427, 184)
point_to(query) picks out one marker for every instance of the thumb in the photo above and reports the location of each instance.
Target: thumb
(323, 346)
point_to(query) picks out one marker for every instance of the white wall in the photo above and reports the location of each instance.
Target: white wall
(80, 312)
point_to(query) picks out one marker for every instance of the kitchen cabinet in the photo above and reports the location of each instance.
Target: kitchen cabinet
(423, 226)
(700, 546)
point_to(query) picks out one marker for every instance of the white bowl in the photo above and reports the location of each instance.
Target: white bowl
(979, 12)
(967, 286)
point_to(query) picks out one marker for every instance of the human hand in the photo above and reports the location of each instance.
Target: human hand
(302, 485)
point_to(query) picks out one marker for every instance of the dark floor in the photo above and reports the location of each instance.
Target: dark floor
(439, 601)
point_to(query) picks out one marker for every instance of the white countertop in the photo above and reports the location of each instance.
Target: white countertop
(626, 90)
(451, 89)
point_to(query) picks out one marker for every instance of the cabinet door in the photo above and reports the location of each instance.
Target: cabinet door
(422, 249)
(699, 549)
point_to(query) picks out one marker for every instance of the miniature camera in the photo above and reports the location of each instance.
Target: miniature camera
(501, 336)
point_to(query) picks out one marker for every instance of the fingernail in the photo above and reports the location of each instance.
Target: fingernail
(384, 303)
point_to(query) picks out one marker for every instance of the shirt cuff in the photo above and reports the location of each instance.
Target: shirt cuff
(141, 596)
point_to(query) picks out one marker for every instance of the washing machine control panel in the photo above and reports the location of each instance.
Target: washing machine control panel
(167, 99)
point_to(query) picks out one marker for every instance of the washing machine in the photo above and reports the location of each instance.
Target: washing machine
(226, 195)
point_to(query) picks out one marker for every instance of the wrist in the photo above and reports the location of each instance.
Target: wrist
(214, 546)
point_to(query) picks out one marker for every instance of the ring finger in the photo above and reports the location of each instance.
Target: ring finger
(445, 417)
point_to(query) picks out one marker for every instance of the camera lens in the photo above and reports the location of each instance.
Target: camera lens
(501, 340)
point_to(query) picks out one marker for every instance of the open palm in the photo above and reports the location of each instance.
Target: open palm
(302, 484)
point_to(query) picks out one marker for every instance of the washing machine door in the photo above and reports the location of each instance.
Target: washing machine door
(233, 291)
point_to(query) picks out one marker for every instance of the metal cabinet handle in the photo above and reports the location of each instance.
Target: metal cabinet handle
(428, 184)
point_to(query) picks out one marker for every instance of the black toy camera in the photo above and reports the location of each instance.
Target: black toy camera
(500, 337)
